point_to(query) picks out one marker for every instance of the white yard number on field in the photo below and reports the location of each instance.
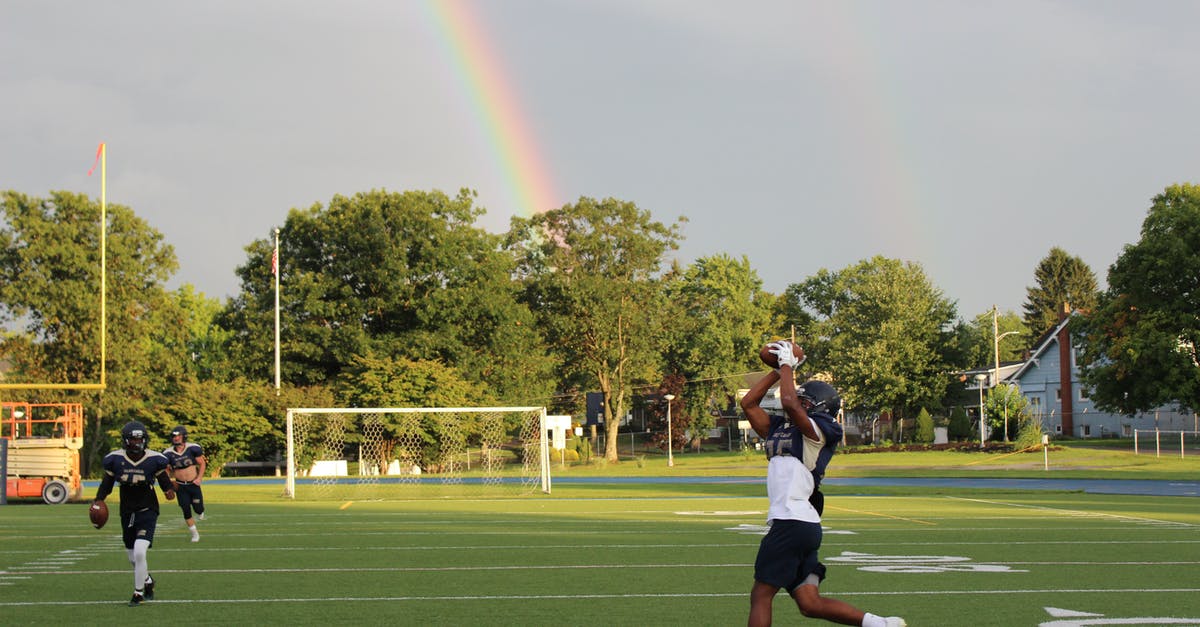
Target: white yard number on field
(916, 563)
(1072, 618)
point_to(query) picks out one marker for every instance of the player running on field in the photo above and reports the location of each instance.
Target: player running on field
(788, 554)
(135, 469)
(187, 466)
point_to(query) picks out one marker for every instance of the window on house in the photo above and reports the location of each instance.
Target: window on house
(1126, 431)
(1058, 428)
(1057, 395)
(1085, 431)
(1083, 393)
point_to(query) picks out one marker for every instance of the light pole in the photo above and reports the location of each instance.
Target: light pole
(979, 379)
(996, 337)
(670, 443)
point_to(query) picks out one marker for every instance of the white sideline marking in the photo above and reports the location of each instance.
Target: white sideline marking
(394, 569)
(14, 573)
(657, 545)
(720, 513)
(684, 595)
(1077, 512)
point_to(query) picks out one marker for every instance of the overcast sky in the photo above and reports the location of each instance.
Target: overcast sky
(967, 137)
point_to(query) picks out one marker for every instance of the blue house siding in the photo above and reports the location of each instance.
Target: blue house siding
(1040, 381)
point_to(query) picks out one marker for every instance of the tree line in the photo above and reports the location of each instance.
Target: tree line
(401, 299)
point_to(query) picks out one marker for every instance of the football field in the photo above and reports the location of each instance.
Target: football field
(645, 554)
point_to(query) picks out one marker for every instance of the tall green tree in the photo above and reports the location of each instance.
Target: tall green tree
(1139, 346)
(1061, 278)
(591, 271)
(720, 316)
(884, 333)
(50, 266)
(392, 275)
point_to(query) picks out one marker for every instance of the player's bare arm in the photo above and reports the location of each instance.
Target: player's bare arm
(759, 421)
(793, 407)
(789, 356)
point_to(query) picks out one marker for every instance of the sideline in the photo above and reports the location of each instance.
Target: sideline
(1142, 487)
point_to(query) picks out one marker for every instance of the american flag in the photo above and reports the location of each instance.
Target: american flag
(275, 261)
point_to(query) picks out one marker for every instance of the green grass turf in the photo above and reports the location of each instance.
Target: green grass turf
(629, 554)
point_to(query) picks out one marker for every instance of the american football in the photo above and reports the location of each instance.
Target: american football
(98, 513)
(769, 359)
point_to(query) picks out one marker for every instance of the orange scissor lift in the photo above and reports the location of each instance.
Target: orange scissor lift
(44, 440)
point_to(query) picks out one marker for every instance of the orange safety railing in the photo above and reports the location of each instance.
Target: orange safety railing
(41, 420)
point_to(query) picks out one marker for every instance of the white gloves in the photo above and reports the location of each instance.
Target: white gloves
(783, 352)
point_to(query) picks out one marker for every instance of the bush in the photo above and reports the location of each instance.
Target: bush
(924, 427)
(563, 455)
(1030, 434)
(960, 425)
(581, 446)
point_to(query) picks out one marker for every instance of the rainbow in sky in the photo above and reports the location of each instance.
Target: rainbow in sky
(495, 107)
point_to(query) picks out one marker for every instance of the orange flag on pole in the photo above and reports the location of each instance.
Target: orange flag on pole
(99, 153)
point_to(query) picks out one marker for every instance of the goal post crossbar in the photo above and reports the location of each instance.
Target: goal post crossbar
(535, 417)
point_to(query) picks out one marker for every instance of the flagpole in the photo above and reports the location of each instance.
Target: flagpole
(103, 258)
(275, 271)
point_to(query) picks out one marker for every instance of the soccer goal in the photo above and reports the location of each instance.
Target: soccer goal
(399, 452)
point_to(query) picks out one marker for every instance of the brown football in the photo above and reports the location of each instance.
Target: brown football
(98, 513)
(769, 359)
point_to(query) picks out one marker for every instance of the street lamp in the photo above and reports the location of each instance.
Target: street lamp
(996, 337)
(979, 379)
(670, 442)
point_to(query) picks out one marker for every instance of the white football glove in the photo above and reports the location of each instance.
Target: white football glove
(783, 352)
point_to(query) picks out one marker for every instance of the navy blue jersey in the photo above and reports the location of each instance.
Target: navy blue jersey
(186, 459)
(833, 436)
(784, 438)
(136, 479)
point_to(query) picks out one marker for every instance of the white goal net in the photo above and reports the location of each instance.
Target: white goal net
(390, 452)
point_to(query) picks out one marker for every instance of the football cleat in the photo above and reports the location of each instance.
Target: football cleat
(136, 600)
(149, 593)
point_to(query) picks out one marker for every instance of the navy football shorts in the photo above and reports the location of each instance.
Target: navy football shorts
(138, 526)
(788, 554)
(190, 497)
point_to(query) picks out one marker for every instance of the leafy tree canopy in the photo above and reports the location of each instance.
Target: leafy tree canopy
(1139, 344)
(1061, 278)
(719, 314)
(404, 275)
(591, 272)
(883, 332)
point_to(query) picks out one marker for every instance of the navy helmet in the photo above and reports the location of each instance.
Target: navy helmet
(133, 438)
(822, 396)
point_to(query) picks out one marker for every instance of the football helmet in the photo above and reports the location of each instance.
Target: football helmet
(133, 438)
(180, 431)
(822, 396)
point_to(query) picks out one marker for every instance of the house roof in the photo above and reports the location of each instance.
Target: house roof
(1041, 346)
